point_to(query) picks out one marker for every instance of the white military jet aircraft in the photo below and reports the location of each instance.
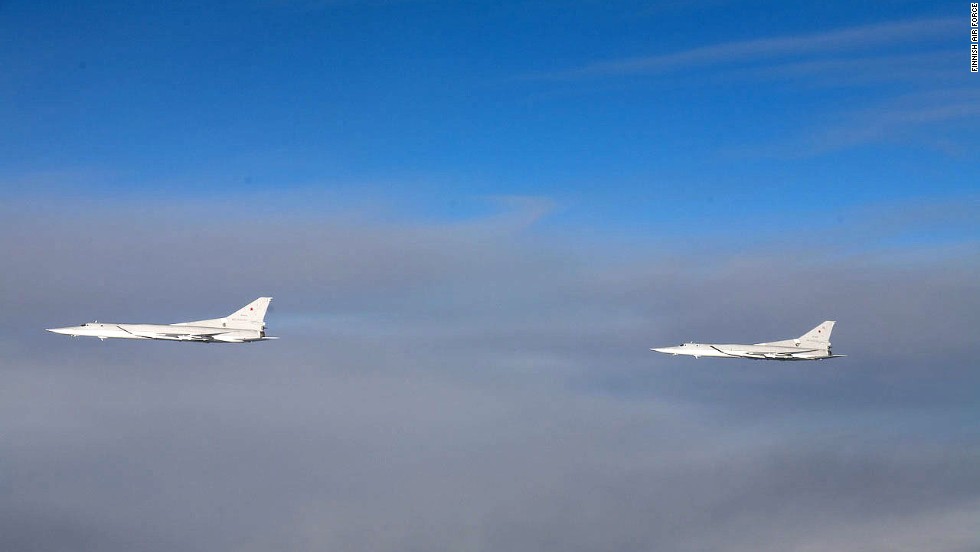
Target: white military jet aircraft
(813, 345)
(244, 325)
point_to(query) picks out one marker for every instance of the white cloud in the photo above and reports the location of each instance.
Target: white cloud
(819, 43)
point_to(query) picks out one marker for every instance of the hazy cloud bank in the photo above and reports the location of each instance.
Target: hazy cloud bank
(476, 385)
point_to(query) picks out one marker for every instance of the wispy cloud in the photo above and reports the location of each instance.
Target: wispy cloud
(889, 123)
(829, 42)
(932, 67)
(921, 119)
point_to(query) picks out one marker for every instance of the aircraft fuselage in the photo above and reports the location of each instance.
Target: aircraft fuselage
(172, 332)
(813, 345)
(245, 325)
(762, 352)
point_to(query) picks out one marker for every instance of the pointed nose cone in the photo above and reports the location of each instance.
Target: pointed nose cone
(62, 331)
(662, 349)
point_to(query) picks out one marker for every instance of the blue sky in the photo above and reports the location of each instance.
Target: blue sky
(630, 116)
(476, 219)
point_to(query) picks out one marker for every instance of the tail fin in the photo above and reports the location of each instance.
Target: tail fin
(249, 317)
(819, 335)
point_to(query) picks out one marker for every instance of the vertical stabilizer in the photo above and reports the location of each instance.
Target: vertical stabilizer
(819, 335)
(251, 316)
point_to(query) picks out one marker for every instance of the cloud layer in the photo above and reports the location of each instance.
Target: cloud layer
(477, 385)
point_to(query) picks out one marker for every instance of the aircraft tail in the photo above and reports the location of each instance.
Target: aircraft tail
(819, 335)
(817, 338)
(249, 317)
